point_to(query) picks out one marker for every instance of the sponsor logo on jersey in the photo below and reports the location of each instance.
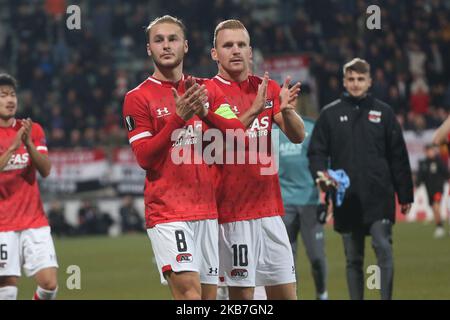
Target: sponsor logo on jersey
(129, 121)
(239, 273)
(184, 258)
(374, 116)
(17, 161)
(162, 112)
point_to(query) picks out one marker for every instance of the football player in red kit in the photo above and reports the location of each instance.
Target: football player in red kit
(25, 239)
(165, 116)
(253, 243)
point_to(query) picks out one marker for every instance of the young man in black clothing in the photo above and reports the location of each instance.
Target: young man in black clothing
(433, 174)
(361, 135)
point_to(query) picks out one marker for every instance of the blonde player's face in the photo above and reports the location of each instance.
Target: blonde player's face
(8, 102)
(357, 84)
(232, 51)
(167, 45)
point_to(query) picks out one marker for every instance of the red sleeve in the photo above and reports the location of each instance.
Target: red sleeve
(147, 144)
(273, 93)
(38, 138)
(216, 99)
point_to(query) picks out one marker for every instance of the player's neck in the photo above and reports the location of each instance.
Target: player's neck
(236, 77)
(170, 75)
(6, 122)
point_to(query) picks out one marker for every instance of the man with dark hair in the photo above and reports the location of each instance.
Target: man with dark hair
(25, 239)
(361, 135)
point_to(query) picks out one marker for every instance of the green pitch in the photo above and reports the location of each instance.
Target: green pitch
(122, 267)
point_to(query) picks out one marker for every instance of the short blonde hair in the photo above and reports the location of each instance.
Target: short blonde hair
(165, 19)
(231, 24)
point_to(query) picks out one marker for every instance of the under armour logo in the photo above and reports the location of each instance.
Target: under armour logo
(343, 118)
(213, 270)
(162, 112)
(235, 110)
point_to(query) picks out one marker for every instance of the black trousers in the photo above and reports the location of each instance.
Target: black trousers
(381, 233)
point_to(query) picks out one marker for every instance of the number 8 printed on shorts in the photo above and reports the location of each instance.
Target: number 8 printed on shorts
(181, 241)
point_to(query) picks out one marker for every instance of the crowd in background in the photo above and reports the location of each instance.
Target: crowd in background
(74, 81)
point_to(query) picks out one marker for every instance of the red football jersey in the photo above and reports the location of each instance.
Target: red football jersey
(172, 192)
(243, 193)
(20, 201)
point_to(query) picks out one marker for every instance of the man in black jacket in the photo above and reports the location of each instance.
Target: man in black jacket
(433, 173)
(361, 135)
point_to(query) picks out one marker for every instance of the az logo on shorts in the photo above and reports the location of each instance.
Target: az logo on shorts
(184, 258)
(239, 273)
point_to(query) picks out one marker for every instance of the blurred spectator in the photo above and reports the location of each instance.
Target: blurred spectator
(130, 219)
(57, 220)
(420, 99)
(92, 221)
(86, 77)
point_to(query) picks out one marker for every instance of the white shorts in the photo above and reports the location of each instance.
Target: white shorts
(31, 248)
(187, 246)
(255, 253)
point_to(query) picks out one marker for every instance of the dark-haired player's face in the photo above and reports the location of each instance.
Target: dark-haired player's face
(232, 51)
(167, 45)
(8, 102)
(357, 84)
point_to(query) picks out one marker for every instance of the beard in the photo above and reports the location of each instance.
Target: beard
(161, 64)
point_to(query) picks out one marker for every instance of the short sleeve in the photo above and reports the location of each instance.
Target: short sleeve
(38, 138)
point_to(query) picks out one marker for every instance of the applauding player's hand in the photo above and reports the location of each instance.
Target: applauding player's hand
(187, 104)
(26, 137)
(259, 103)
(288, 96)
(199, 105)
(17, 140)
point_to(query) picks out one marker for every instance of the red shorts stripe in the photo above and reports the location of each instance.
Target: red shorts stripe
(166, 268)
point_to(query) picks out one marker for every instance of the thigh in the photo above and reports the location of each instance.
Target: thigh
(275, 260)
(10, 259)
(174, 248)
(291, 221)
(239, 244)
(311, 231)
(354, 245)
(38, 250)
(206, 239)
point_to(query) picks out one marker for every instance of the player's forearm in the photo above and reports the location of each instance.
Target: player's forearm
(293, 126)
(4, 158)
(40, 161)
(216, 121)
(440, 136)
(150, 150)
(247, 118)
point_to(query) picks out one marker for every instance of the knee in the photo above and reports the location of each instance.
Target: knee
(317, 263)
(355, 261)
(49, 284)
(383, 249)
(8, 281)
(190, 294)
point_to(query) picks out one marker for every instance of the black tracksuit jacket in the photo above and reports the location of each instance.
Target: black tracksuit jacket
(363, 137)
